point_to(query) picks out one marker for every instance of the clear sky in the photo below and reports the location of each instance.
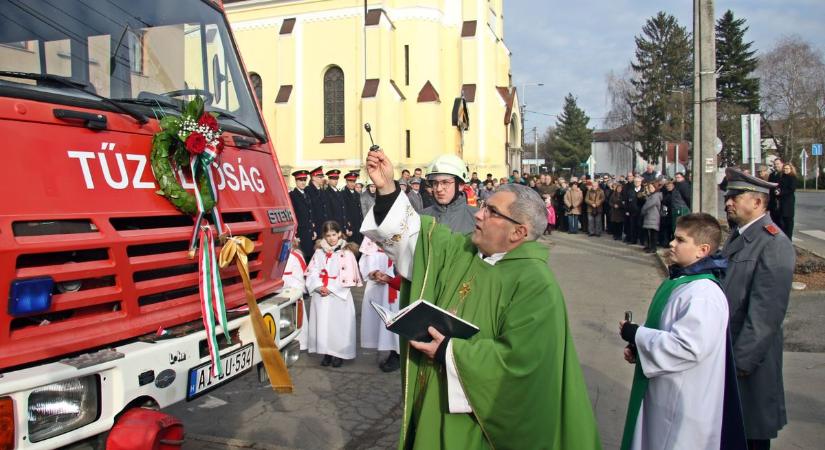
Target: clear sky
(571, 46)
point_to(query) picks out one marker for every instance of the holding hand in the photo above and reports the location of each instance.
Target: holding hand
(323, 291)
(629, 356)
(429, 348)
(380, 171)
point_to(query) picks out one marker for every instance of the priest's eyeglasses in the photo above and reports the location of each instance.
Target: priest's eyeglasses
(490, 211)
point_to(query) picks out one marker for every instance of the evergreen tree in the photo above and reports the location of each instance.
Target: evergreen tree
(571, 141)
(737, 88)
(664, 63)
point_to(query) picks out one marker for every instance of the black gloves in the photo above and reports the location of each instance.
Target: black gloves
(628, 332)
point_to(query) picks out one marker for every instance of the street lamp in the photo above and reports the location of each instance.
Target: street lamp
(524, 95)
(524, 108)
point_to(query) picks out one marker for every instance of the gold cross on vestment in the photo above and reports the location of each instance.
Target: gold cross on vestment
(464, 291)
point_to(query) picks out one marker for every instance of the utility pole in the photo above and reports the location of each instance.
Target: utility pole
(536, 146)
(705, 195)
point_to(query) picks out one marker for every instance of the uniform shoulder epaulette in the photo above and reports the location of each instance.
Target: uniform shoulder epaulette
(772, 229)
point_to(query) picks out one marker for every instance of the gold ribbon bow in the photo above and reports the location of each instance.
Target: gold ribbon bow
(236, 249)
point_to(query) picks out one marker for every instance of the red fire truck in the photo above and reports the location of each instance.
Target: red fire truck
(102, 313)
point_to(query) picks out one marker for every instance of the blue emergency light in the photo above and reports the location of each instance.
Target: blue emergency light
(30, 296)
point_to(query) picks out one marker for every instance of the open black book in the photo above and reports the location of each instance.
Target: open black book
(412, 322)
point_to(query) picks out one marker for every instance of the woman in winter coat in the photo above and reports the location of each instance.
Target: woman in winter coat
(651, 216)
(573, 199)
(616, 214)
(786, 197)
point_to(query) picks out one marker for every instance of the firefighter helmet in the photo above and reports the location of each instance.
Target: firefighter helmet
(448, 165)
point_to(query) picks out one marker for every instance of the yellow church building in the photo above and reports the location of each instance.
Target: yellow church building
(429, 76)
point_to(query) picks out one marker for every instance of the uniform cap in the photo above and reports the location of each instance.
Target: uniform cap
(739, 182)
(334, 174)
(415, 180)
(352, 176)
(300, 174)
(318, 171)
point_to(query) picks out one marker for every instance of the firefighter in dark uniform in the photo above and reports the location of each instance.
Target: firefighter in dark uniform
(303, 213)
(333, 199)
(757, 284)
(352, 208)
(316, 202)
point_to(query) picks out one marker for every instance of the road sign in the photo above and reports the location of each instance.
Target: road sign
(804, 158)
(751, 139)
(816, 150)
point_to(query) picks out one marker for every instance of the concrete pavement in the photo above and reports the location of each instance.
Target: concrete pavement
(358, 406)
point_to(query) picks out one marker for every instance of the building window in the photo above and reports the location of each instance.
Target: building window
(334, 102)
(136, 52)
(408, 143)
(257, 86)
(406, 65)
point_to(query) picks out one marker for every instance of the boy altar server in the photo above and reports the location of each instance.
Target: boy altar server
(679, 391)
(377, 270)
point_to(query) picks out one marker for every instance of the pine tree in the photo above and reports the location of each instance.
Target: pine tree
(737, 88)
(663, 65)
(572, 137)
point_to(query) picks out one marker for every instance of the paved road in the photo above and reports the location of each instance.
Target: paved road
(357, 406)
(809, 226)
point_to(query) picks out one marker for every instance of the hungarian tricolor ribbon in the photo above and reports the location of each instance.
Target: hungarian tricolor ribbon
(237, 249)
(201, 163)
(213, 308)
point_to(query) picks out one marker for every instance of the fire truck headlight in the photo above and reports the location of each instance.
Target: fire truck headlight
(63, 406)
(286, 324)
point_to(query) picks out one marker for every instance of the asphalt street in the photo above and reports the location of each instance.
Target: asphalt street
(357, 406)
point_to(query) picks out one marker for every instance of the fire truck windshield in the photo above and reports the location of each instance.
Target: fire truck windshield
(150, 54)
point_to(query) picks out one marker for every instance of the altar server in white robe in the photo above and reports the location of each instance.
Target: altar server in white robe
(683, 356)
(294, 278)
(330, 274)
(377, 271)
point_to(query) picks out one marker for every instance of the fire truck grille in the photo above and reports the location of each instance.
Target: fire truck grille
(120, 277)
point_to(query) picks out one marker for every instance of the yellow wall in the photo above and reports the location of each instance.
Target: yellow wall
(332, 32)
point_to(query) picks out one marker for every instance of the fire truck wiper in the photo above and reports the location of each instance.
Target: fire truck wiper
(226, 115)
(67, 82)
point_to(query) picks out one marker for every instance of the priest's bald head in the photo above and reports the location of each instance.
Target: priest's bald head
(514, 214)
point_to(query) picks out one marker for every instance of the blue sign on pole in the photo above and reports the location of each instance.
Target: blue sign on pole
(816, 150)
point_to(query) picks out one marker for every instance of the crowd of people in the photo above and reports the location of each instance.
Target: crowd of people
(475, 240)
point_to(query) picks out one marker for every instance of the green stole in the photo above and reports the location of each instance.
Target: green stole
(654, 318)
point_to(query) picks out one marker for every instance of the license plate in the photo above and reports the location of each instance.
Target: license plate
(234, 364)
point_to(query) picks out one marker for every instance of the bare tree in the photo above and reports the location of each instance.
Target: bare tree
(792, 79)
(620, 94)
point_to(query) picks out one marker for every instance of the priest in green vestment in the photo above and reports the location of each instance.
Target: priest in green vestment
(517, 383)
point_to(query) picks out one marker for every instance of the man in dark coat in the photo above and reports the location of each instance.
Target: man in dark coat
(758, 285)
(352, 208)
(333, 199)
(316, 201)
(632, 209)
(303, 213)
(773, 202)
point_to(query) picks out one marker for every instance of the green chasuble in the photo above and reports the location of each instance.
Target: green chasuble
(520, 373)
